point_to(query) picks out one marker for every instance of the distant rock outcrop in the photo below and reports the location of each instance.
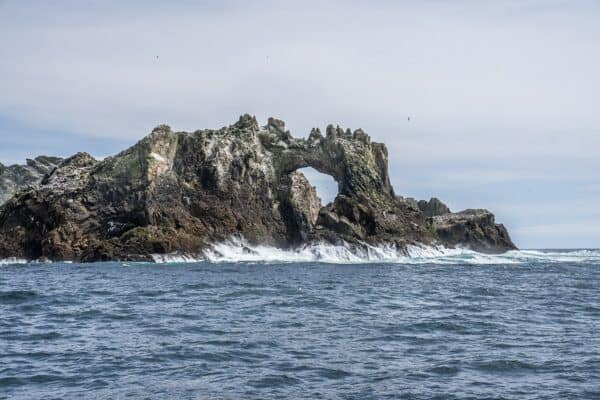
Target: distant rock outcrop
(433, 207)
(15, 177)
(476, 229)
(181, 192)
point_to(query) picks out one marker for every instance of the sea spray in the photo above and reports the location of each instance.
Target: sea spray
(237, 249)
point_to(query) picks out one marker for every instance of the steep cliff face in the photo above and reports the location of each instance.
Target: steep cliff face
(180, 192)
(15, 177)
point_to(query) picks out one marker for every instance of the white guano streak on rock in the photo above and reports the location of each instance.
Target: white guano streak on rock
(158, 157)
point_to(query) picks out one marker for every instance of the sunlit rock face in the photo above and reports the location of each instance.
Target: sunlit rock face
(181, 192)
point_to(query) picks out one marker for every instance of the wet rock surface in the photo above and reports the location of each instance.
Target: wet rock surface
(181, 192)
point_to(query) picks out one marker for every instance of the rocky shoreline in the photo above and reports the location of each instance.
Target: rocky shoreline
(180, 192)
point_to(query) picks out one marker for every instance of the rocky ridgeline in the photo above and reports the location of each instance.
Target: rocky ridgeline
(15, 177)
(181, 192)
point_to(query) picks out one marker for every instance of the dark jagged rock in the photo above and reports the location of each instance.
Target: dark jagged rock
(181, 192)
(15, 177)
(433, 207)
(473, 228)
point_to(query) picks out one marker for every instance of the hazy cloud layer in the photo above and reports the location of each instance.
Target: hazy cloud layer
(503, 96)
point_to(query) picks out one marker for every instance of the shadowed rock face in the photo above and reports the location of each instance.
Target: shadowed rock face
(180, 192)
(476, 228)
(433, 207)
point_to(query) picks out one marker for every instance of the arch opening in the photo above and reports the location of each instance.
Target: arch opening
(326, 187)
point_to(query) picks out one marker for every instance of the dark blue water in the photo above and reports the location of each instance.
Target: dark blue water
(300, 330)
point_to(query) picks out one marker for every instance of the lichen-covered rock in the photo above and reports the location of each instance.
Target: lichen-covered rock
(15, 177)
(180, 192)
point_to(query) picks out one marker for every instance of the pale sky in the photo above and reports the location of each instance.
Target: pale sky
(504, 96)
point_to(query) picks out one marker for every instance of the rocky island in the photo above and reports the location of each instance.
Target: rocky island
(180, 192)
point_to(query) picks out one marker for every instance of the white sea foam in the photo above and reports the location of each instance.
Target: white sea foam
(12, 260)
(175, 258)
(237, 249)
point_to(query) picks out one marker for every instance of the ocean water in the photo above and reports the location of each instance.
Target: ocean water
(313, 324)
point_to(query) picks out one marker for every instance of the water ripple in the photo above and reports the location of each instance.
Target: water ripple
(303, 330)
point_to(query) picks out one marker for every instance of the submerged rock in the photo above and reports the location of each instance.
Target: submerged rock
(181, 192)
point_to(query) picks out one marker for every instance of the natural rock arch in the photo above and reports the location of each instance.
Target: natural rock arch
(356, 163)
(327, 188)
(181, 191)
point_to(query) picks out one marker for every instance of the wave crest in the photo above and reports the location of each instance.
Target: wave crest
(237, 249)
(12, 261)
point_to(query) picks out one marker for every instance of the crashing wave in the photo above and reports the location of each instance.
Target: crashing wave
(237, 249)
(175, 258)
